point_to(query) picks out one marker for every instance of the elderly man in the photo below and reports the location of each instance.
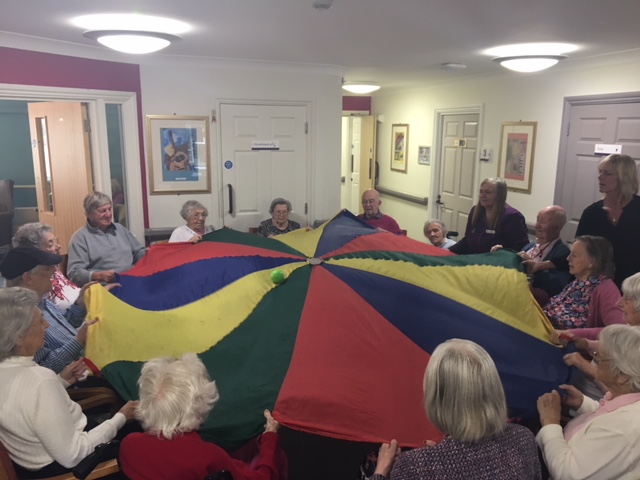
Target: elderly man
(436, 231)
(373, 216)
(32, 268)
(546, 258)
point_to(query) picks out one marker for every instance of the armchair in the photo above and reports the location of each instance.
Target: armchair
(6, 211)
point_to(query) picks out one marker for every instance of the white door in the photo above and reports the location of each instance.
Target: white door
(358, 152)
(454, 197)
(577, 176)
(264, 156)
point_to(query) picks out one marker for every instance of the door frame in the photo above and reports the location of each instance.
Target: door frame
(436, 170)
(96, 101)
(310, 140)
(581, 100)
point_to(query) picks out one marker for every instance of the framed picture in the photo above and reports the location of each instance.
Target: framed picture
(178, 154)
(424, 155)
(517, 151)
(399, 143)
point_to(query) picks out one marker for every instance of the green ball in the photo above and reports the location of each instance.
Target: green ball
(277, 277)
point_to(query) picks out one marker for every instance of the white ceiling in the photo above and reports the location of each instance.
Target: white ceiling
(398, 43)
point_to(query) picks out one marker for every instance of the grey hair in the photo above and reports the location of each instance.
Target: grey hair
(189, 206)
(631, 290)
(31, 235)
(463, 394)
(95, 200)
(176, 395)
(19, 280)
(622, 345)
(279, 201)
(439, 222)
(17, 308)
(559, 216)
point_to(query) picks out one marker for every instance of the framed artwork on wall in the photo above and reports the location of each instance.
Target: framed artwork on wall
(517, 152)
(424, 155)
(399, 147)
(178, 154)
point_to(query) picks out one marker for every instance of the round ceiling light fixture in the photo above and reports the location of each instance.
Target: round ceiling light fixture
(529, 63)
(132, 41)
(360, 87)
(530, 57)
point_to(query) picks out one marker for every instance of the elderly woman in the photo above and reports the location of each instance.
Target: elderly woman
(591, 300)
(101, 248)
(39, 235)
(603, 442)
(279, 222)
(464, 398)
(493, 222)
(195, 214)
(616, 217)
(176, 396)
(436, 232)
(41, 427)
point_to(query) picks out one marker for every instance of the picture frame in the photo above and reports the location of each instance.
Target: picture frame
(517, 153)
(399, 147)
(424, 155)
(178, 154)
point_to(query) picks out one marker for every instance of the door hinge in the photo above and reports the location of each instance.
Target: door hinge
(568, 128)
(306, 208)
(306, 127)
(87, 125)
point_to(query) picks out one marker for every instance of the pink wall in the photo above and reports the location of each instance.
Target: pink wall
(356, 104)
(24, 67)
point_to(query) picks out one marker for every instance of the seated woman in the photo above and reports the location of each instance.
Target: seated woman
(464, 398)
(436, 232)
(195, 215)
(40, 426)
(101, 248)
(493, 222)
(604, 440)
(176, 396)
(279, 222)
(591, 300)
(39, 235)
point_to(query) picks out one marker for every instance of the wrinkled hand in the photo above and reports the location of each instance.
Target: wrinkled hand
(111, 286)
(129, 409)
(573, 397)
(272, 424)
(195, 239)
(495, 248)
(80, 300)
(386, 457)
(549, 408)
(81, 336)
(576, 360)
(74, 372)
(104, 276)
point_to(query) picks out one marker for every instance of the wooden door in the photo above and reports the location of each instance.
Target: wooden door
(62, 165)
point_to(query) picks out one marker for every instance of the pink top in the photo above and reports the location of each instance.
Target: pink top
(607, 405)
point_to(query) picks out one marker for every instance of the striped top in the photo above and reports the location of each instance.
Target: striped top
(60, 344)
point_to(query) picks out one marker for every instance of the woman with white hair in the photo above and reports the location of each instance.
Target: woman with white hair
(101, 248)
(41, 427)
(176, 396)
(279, 222)
(603, 441)
(465, 400)
(40, 235)
(436, 231)
(195, 214)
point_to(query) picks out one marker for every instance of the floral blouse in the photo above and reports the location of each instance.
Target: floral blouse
(267, 228)
(570, 308)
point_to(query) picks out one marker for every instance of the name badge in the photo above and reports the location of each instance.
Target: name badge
(491, 232)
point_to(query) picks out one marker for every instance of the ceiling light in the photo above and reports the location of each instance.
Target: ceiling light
(322, 4)
(529, 63)
(452, 66)
(361, 87)
(132, 41)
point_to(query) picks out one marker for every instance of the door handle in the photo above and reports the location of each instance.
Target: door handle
(230, 187)
(439, 201)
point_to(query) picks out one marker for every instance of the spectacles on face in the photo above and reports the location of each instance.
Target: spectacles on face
(200, 215)
(369, 202)
(599, 359)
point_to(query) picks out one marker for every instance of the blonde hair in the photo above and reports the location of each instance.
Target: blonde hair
(627, 172)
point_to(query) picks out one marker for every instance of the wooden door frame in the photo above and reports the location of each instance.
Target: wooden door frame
(96, 102)
(582, 100)
(310, 140)
(436, 152)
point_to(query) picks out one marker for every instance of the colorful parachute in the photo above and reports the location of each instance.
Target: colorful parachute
(337, 349)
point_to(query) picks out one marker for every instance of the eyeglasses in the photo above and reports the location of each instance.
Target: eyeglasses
(368, 202)
(200, 215)
(599, 359)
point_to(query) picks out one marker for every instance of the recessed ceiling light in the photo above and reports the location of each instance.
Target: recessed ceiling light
(360, 87)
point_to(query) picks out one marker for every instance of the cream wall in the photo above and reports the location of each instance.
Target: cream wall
(533, 97)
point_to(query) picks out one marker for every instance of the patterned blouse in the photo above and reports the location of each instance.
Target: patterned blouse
(63, 291)
(570, 308)
(267, 228)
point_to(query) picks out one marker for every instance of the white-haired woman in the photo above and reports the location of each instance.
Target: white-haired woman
(195, 214)
(464, 398)
(176, 396)
(40, 235)
(40, 426)
(101, 248)
(279, 222)
(603, 442)
(436, 231)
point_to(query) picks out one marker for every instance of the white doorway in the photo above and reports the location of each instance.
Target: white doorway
(587, 121)
(358, 159)
(454, 178)
(264, 156)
